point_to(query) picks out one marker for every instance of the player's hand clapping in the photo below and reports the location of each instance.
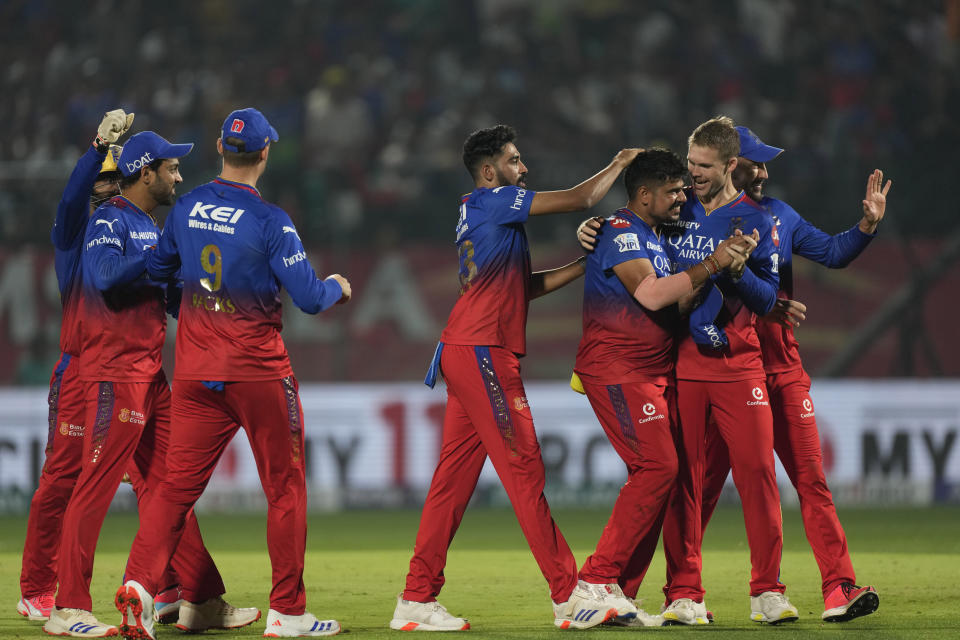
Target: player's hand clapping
(732, 253)
(114, 124)
(344, 284)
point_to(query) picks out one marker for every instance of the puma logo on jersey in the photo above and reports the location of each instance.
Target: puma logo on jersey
(215, 213)
(287, 229)
(106, 222)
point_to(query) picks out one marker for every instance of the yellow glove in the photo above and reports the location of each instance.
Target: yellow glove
(575, 383)
(114, 124)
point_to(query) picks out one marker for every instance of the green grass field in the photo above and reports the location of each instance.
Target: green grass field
(356, 562)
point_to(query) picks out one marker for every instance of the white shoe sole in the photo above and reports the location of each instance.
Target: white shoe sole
(399, 624)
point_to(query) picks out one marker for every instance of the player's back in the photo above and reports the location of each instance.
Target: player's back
(230, 316)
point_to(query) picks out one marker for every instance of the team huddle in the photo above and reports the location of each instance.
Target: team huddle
(687, 357)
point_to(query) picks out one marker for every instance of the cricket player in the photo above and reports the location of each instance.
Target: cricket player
(94, 179)
(625, 362)
(487, 412)
(796, 439)
(721, 383)
(122, 318)
(234, 251)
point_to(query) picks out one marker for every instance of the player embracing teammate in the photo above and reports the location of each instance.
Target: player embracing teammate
(234, 251)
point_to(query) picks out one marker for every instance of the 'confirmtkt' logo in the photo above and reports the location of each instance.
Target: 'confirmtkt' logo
(758, 400)
(807, 408)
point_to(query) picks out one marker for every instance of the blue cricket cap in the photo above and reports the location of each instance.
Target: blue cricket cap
(143, 148)
(753, 148)
(250, 126)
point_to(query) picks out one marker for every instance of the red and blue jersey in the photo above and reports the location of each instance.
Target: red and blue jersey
(623, 341)
(67, 238)
(123, 312)
(691, 239)
(780, 349)
(234, 252)
(494, 270)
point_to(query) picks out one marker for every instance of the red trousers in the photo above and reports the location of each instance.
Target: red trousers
(487, 415)
(740, 414)
(639, 420)
(797, 443)
(203, 423)
(127, 425)
(61, 467)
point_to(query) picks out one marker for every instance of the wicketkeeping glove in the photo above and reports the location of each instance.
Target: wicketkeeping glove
(114, 124)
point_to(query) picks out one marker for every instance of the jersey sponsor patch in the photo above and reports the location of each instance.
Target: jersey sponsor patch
(619, 223)
(627, 242)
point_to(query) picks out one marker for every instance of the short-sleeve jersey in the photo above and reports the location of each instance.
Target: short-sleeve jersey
(623, 341)
(235, 251)
(780, 349)
(494, 270)
(690, 240)
(66, 235)
(123, 327)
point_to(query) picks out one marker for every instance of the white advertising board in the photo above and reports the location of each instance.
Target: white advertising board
(883, 442)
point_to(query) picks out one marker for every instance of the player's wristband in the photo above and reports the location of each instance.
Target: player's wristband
(101, 145)
(716, 263)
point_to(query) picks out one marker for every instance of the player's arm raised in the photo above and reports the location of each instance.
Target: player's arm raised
(587, 193)
(289, 263)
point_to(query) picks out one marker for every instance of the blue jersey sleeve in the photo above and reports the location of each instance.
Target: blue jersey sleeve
(508, 205)
(833, 251)
(761, 279)
(74, 208)
(103, 259)
(617, 246)
(289, 263)
(164, 262)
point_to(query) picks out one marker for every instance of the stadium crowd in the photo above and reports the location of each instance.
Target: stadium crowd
(381, 93)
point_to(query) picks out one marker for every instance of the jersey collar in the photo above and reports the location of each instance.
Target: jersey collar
(238, 185)
(735, 200)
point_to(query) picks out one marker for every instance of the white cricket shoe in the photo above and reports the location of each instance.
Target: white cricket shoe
(702, 615)
(302, 626)
(586, 608)
(37, 608)
(136, 606)
(166, 606)
(680, 611)
(425, 616)
(772, 607)
(616, 598)
(77, 623)
(215, 613)
(642, 619)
